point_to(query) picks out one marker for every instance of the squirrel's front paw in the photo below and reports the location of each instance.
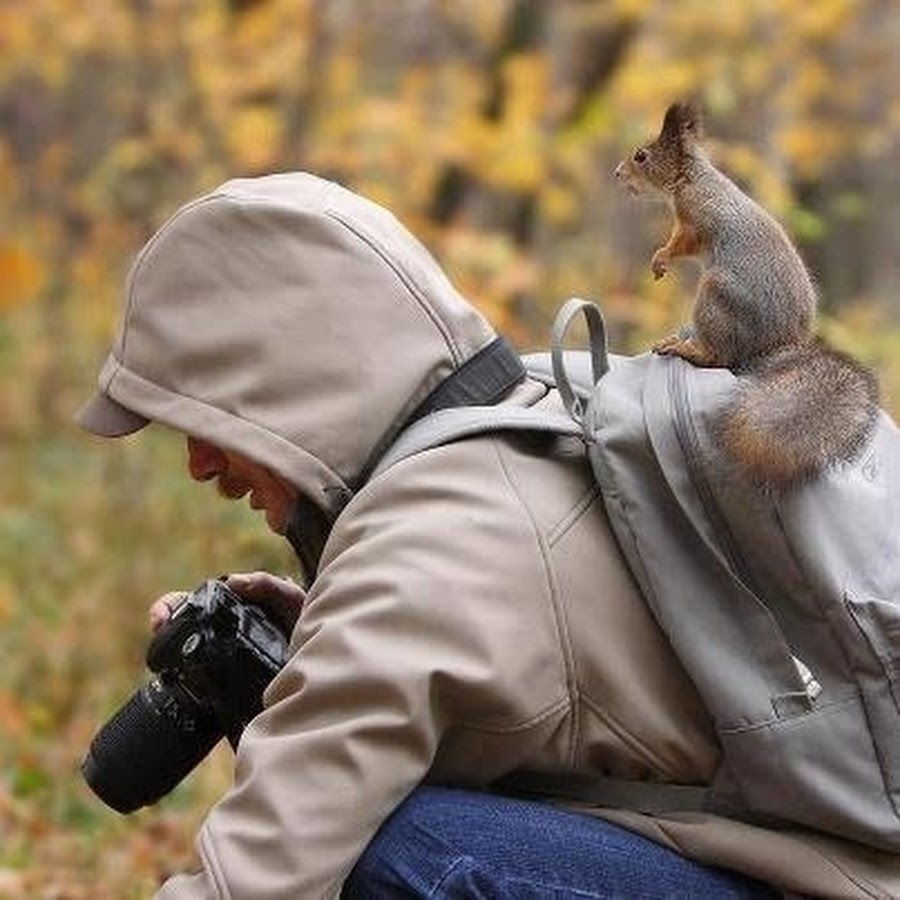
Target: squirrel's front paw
(659, 264)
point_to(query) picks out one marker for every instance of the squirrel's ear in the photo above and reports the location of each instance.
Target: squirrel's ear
(683, 121)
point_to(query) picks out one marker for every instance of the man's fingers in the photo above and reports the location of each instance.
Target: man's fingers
(161, 610)
(280, 597)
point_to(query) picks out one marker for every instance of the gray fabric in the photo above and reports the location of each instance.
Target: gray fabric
(753, 589)
(573, 309)
(448, 425)
(783, 607)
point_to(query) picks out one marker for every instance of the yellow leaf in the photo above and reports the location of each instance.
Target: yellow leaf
(559, 204)
(21, 276)
(254, 137)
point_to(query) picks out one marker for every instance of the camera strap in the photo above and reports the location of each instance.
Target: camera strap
(482, 380)
(306, 532)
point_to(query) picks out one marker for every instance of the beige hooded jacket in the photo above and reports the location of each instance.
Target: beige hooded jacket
(470, 614)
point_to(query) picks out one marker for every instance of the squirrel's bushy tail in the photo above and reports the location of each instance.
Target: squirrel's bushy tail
(799, 411)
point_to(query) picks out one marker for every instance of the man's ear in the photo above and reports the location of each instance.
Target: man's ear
(683, 123)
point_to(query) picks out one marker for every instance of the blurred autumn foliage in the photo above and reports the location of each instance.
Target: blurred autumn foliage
(490, 127)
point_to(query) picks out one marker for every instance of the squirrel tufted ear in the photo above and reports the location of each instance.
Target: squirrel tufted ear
(683, 120)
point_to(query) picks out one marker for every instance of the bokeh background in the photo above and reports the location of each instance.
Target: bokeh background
(490, 127)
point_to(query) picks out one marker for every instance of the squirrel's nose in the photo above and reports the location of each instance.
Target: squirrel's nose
(619, 170)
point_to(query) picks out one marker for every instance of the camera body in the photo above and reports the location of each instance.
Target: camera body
(211, 661)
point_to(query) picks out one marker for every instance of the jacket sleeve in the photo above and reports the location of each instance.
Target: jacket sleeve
(397, 643)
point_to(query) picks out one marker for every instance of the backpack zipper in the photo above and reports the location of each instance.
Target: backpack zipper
(689, 442)
(686, 432)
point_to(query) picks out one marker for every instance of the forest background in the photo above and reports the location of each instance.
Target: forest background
(490, 127)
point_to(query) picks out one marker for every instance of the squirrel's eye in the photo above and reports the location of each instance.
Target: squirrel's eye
(640, 156)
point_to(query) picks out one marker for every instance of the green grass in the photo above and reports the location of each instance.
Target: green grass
(90, 533)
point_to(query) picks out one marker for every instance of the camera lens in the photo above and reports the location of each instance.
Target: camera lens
(157, 737)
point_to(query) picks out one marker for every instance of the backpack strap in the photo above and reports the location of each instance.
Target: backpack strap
(602, 790)
(599, 352)
(483, 379)
(587, 789)
(443, 425)
(448, 425)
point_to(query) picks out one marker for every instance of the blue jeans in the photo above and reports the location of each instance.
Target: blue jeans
(457, 844)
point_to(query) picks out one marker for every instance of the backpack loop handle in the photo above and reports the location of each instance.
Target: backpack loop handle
(597, 346)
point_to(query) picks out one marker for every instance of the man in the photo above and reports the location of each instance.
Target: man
(466, 613)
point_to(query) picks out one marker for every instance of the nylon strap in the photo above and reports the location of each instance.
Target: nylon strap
(461, 406)
(597, 346)
(481, 380)
(600, 790)
(453, 424)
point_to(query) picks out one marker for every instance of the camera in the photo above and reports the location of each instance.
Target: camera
(211, 661)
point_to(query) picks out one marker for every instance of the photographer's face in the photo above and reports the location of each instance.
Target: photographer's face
(237, 477)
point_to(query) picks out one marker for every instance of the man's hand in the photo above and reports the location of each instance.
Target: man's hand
(280, 597)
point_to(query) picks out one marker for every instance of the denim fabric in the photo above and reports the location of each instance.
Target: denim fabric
(459, 845)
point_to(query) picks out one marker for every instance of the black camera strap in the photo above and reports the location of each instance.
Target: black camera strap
(482, 380)
(306, 532)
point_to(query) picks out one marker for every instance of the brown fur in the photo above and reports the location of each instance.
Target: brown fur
(801, 405)
(801, 410)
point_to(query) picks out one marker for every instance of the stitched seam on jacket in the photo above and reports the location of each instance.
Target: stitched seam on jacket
(574, 514)
(524, 725)
(559, 618)
(630, 740)
(406, 280)
(211, 861)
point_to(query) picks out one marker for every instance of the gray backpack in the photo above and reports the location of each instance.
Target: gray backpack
(784, 608)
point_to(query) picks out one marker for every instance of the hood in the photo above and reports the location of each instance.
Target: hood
(289, 320)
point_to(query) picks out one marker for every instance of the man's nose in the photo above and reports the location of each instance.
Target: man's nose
(204, 460)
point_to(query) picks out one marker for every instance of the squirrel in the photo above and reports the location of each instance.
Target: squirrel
(800, 406)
